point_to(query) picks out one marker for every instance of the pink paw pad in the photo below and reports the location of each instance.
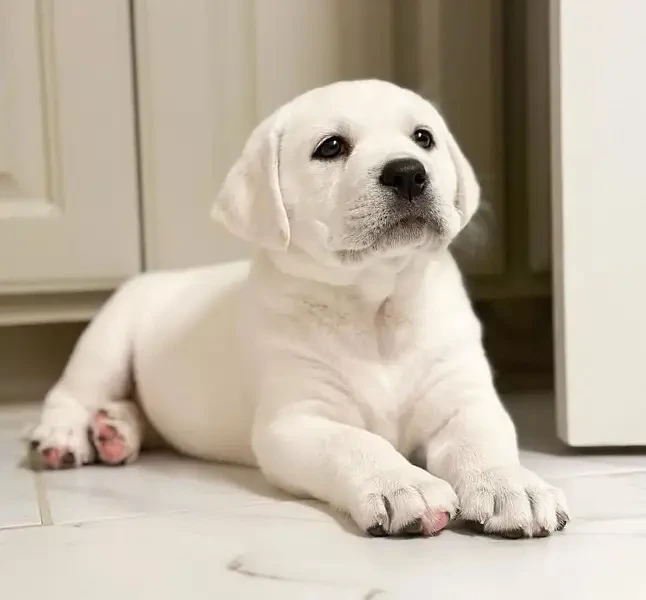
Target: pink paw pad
(57, 458)
(434, 523)
(109, 442)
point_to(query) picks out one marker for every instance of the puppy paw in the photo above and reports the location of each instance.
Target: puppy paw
(60, 446)
(116, 433)
(511, 502)
(408, 502)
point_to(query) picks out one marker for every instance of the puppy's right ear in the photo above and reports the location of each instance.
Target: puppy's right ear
(250, 202)
(467, 197)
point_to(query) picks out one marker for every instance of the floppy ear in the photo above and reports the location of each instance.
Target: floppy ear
(250, 202)
(467, 197)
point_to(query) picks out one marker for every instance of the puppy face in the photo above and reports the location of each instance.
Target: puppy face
(348, 171)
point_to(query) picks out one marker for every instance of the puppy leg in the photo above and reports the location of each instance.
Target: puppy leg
(471, 442)
(353, 470)
(98, 372)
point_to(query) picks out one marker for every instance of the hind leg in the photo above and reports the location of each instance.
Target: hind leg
(98, 373)
(117, 432)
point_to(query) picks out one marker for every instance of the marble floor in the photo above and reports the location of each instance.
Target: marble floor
(172, 529)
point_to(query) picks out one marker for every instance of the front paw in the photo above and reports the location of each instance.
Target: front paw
(511, 502)
(404, 502)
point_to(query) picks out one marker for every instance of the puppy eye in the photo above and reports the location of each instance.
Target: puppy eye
(423, 138)
(331, 148)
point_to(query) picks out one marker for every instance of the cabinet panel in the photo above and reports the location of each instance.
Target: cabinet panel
(68, 190)
(196, 86)
(207, 73)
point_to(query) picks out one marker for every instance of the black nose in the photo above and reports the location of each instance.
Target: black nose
(407, 176)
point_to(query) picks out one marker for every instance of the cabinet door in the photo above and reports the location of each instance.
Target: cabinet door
(599, 210)
(207, 73)
(68, 191)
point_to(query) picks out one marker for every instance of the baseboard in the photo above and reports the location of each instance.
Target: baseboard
(518, 339)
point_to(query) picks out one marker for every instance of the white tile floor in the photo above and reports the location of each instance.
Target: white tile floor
(172, 528)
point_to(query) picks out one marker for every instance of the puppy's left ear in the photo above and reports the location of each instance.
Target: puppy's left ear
(467, 196)
(250, 202)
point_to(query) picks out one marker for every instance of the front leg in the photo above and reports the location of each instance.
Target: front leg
(471, 443)
(307, 449)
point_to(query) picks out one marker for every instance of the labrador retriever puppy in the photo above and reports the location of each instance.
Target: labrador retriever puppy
(343, 355)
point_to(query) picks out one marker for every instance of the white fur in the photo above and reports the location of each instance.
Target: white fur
(334, 356)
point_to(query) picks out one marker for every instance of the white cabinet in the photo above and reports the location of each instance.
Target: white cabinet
(68, 187)
(112, 112)
(599, 210)
(205, 73)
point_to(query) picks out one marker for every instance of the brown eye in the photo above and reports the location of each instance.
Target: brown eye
(423, 138)
(331, 148)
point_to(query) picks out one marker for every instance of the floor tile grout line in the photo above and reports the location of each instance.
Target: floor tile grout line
(43, 503)
(19, 527)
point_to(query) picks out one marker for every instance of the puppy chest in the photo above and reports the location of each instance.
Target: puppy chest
(381, 396)
(371, 355)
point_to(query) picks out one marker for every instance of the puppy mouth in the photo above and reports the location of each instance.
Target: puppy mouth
(405, 224)
(399, 232)
(408, 226)
(405, 231)
(412, 225)
(386, 224)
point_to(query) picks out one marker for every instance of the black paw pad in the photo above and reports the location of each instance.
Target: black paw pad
(475, 526)
(512, 534)
(68, 461)
(377, 530)
(413, 528)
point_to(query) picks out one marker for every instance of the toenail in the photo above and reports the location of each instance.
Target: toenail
(562, 519)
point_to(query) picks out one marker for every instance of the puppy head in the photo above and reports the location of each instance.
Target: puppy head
(351, 170)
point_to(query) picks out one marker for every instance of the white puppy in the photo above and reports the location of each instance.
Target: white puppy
(347, 347)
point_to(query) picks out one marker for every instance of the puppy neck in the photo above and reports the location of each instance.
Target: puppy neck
(375, 280)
